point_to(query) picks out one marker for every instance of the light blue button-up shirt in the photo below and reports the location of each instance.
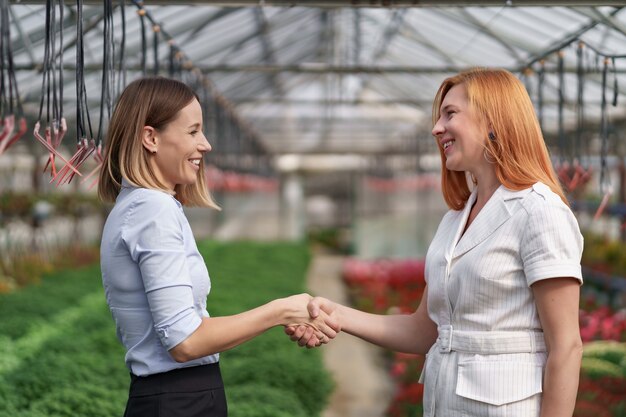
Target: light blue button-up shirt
(155, 280)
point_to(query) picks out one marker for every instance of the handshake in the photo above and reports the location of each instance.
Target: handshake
(313, 322)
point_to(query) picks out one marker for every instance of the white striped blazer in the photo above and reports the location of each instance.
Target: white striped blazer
(480, 282)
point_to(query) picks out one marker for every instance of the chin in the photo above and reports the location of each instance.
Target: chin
(452, 167)
(186, 182)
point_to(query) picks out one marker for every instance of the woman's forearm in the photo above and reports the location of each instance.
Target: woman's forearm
(217, 334)
(410, 333)
(557, 302)
(560, 383)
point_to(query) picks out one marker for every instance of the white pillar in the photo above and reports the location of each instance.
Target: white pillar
(292, 195)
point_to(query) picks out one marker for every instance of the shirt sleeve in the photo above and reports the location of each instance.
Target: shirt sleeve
(155, 240)
(552, 245)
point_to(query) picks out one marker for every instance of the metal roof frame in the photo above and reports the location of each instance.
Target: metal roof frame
(324, 57)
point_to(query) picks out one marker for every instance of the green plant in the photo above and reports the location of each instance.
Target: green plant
(256, 399)
(602, 387)
(59, 356)
(609, 351)
(331, 238)
(24, 268)
(604, 255)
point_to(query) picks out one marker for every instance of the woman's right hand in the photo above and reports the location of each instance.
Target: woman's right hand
(303, 334)
(307, 323)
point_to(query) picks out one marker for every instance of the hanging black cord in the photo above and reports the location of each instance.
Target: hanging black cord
(144, 43)
(105, 68)
(52, 73)
(604, 131)
(4, 27)
(615, 85)
(170, 60)
(541, 76)
(48, 63)
(7, 71)
(561, 75)
(111, 89)
(46, 58)
(604, 54)
(13, 89)
(111, 66)
(155, 46)
(105, 98)
(61, 7)
(14, 123)
(82, 110)
(121, 78)
(580, 103)
(612, 57)
(80, 125)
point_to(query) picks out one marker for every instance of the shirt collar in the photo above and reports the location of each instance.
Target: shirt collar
(126, 185)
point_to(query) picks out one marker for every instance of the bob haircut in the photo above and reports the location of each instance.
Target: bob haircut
(519, 151)
(152, 101)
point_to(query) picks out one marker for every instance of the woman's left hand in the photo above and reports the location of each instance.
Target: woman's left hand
(306, 336)
(307, 330)
(303, 334)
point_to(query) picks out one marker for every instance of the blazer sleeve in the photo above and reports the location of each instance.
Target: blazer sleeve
(552, 244)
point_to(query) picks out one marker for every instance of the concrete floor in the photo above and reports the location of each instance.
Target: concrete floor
(363, 386)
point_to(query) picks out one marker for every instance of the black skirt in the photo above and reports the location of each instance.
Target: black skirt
(197, 391)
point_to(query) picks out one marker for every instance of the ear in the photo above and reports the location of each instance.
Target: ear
(148, 139)
(491, 135)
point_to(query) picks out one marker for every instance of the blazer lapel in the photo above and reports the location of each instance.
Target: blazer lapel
(497, 211)
(459, 221)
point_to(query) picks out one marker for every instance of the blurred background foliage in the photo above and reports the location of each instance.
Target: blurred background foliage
(59, 355)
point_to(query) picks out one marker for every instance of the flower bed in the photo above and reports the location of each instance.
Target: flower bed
(379, 285)
(391, 286)
(603, 324)
(602, 387)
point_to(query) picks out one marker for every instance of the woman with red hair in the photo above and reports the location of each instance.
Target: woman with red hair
(499, 317)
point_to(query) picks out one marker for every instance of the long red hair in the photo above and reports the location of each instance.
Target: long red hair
(519, 150)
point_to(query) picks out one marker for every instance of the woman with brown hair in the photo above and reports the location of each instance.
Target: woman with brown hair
(155, 280)
(499, 317)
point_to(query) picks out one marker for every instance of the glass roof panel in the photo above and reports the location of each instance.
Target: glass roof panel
(310, 68)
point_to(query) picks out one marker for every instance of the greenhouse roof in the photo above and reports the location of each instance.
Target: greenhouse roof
(340, 77)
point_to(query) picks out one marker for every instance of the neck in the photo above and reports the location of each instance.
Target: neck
(486, 184)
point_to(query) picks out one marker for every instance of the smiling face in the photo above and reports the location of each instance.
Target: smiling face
(177, 149)
(460, 132)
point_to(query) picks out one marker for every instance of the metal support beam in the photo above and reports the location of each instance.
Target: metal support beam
(370, 3)
(355, 103)
(37, 35)
(269, 56)
(413, 33)
(607, 20)
(389, 33)
(468, 18)
(28, 46)
(321, 69)
(568, 39)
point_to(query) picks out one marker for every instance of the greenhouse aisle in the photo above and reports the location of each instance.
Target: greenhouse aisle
(364, 387)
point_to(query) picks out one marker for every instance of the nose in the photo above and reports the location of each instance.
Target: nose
(203, 144)
(438, 128)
